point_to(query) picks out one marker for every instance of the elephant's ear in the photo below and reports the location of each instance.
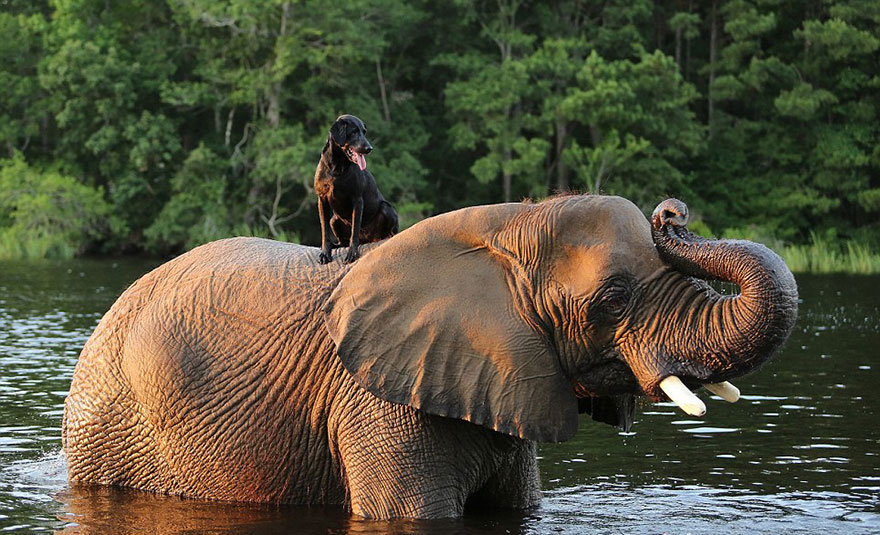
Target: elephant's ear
(431, 319)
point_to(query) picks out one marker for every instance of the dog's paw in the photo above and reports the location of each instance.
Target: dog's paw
(325, 257)
(353, 254)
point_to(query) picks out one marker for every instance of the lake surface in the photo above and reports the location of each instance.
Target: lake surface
(800, 453)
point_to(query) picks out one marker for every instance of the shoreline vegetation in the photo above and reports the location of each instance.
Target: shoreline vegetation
(822, 256)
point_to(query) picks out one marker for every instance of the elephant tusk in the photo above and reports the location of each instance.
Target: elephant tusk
(725, 391)
(682, 396)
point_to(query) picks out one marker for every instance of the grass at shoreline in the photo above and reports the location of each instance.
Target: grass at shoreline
(820, 256)
(15, 247)
(823, 256)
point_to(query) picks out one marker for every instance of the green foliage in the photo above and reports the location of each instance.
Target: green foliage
(20, 51)
(700, 228)
(199, 119)
(795, 129)
(687, 23)
(803, 101)
(640, 127)
(838, 39)
(196, 212)
(45, 214)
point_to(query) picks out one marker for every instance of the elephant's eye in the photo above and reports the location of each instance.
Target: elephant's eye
(614, 302)
(611, 303)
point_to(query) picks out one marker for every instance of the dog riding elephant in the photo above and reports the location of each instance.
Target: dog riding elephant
(417, 380)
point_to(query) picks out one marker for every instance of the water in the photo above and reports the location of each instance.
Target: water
(799, 454)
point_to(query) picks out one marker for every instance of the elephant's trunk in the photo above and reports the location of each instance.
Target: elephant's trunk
(732, 334)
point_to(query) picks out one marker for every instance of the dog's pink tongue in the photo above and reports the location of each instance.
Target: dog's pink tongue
(361, 161)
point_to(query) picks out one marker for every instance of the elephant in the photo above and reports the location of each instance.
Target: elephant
(418, 380)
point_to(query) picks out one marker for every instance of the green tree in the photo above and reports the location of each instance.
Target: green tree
(487, 99)
(641, 131)
(21, 119)
(44, 213)
(198, 209)
(102, 71)
(274, 76)
(796, 123)
(199, 119)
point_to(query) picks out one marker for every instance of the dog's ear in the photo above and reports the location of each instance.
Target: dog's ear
(337, 132)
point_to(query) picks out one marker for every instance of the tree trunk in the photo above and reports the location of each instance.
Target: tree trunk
(44, 134)
(382, 93)
(227, 137)
(687, 48)
(678, 32)
(507, 12)
(713, 51)
(596, 139)
(273, 109)
(659, 27)
(273, 217)
(687, 59)
(506, 178)
(562, 183)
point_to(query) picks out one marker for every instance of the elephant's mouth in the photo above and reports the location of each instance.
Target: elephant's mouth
(615, 377)
(606, 378)
(604, 387)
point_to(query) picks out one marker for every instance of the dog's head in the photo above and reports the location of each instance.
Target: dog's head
(349, 134)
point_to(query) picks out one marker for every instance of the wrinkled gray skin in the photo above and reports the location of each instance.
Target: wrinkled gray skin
(417, 380)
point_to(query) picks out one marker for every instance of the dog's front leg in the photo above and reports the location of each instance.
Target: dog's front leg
(355, 241)
(324, 214)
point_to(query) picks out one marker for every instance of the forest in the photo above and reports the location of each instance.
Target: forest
(142, 126)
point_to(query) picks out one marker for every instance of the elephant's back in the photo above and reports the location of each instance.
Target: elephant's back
(289, 266)
(256, 276)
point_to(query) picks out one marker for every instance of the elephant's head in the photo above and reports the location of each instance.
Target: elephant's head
(508, 315)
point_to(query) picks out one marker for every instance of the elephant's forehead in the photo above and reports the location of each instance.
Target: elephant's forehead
(600, 219)
(602, 239)
(582, 268)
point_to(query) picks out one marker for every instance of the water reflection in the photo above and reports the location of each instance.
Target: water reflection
(798, 452)
(604, 508)
(97, 511)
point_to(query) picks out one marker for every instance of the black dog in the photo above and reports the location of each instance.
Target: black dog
(360, 212)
